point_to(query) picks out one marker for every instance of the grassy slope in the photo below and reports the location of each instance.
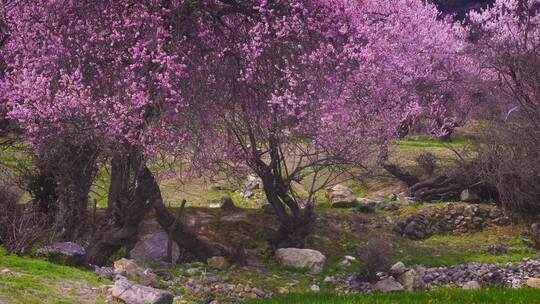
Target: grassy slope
(447, 296)
(38, 281)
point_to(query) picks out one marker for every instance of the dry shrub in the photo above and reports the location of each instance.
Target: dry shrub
(20, 226)
(374, 258)
(509, 160)
(427, 161)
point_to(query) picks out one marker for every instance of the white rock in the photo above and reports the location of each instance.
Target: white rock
(398, 268)
(132, 293)
(388, 285)
(301, 258)
(315, 288)
(341, 197)
(471, 285)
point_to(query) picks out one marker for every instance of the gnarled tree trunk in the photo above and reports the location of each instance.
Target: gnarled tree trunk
(133, 192)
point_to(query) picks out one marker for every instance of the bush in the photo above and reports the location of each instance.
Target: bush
(21, 227)
(509, 161)
(427, 161)
(374, 258)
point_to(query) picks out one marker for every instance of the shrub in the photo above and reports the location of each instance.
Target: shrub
(21, 226)
(374, 258)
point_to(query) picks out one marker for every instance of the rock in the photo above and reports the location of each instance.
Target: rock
(412, 281)
(253, 182)
(67, 253)
(315, 288)
(469, 196)
(533, 282)
(388, 285)
(301, 258)
(471, 285)
(6, 272)
(126, 267)
(407, 200)
(104, 272)
(132, 293)
(398, 268)
(283, 290)
(218, 262)
(502, 221)
(341, 197)
(152, 248)
(347, 261)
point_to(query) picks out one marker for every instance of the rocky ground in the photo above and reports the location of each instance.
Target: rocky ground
(459, 245)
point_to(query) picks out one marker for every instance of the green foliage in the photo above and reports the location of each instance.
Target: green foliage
(443, 296)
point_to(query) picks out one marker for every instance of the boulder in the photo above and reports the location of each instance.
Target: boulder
(341, 197)
(412, 280)
(301, 258)
(471, 285)
(67, 253)
(388, 285)
(469, 196)
(218, 262)
(132, 293)
(398, 268)
(152, 248)
(533, 282)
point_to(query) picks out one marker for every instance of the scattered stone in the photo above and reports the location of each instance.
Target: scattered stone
(283, 290)
(469, 196)
(533, 283)
(398, 268)
(472, 285)
(129, 268)
(67, 253)
(315, 288)
(253, 183)
(388, 285)
(341, 197)
(132, 293)
(104, 272)
(301, 258)
(406, 200)
(218, 262)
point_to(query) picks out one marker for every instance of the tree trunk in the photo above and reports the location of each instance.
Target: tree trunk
(127, 208)
(128, 204)
(296, 225)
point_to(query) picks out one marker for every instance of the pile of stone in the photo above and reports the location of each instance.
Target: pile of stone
(450, 218)
(125, 289)
(133, 284)
(466, 276)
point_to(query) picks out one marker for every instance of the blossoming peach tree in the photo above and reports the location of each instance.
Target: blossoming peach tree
(289, 89)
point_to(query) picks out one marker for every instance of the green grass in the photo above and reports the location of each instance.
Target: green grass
(39, 281)
(444, 296)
